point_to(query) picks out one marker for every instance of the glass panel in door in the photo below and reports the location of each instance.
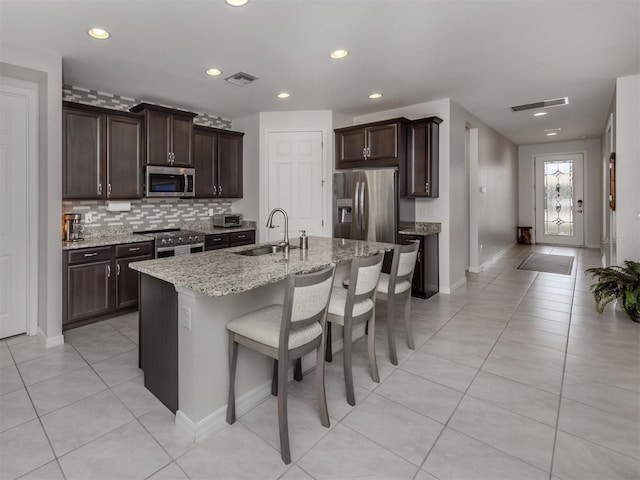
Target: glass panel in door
(559, 204)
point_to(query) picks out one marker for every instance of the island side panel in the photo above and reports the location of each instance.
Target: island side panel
(159, 339)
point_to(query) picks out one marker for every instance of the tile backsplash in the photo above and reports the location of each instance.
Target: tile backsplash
(87, 96)
(146, 214)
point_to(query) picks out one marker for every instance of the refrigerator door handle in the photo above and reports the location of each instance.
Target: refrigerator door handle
(363, 208)
(356, 204)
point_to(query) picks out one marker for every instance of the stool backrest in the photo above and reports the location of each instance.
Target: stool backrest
(363, 283)
(403, 263)
(306, 301)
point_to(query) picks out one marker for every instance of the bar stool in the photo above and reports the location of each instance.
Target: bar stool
(357, 305)
(396, 286)
(284, 333)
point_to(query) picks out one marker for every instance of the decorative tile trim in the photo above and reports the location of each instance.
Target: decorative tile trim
(85, 96)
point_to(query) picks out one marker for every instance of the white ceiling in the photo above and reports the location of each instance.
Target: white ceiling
(485, 55)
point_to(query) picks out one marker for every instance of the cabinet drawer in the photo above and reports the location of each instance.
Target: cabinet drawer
(215, 241)
(89, 255)
(133, 249)
(242, 238)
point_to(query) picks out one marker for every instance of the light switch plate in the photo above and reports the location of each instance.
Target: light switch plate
(88, 218)
(211, 212)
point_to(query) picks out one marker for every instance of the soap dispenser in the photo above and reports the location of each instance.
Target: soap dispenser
(304, 240)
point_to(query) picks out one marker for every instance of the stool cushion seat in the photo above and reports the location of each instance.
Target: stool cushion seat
(338, 303)
(263, 326)
(383, 284)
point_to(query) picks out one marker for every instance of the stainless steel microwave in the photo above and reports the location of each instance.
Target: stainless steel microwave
(169, 182)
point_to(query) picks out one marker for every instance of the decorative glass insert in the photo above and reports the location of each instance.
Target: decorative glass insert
(558, 198)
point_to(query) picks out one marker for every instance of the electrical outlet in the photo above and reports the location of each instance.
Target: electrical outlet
(431, 212)
(211, 212)
(88, 218)
(422, 211)
(186, 317)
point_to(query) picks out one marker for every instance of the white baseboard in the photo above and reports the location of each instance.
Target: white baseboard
(448, 290)
(49, 342)
(475, 269)
(217, 420)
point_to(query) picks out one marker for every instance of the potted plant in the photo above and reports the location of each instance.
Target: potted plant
(618, 283)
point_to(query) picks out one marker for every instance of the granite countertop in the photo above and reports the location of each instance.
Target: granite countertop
(104, 237)
(420, 228)
(221, 272)
(105, 241)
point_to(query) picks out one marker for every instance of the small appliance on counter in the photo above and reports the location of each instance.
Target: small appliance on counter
(227, 220)
(72, 227)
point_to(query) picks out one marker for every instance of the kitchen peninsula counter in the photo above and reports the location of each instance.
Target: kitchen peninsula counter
(185, 305)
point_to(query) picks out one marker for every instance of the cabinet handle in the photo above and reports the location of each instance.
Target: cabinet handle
(241, 236)
(108, 271)
(99, 189)
(426, 188)
(118, 269)
(215, 190)
(217, 239)
(131, 249)
(364, 152)
(108, 190)
(90, 254)
(219, 189)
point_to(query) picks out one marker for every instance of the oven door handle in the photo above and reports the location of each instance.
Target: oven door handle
(165, 249)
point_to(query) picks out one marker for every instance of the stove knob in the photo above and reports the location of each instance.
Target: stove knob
(170, 241)
(163, 241)
(191, 239)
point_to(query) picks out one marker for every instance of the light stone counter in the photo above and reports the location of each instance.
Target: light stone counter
(221, 272)
(186, 303)
(107, 240)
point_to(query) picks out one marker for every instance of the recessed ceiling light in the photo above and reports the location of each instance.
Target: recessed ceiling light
(99, 33)
(236, 3)
(547, 130)
(214, 72)
(551, 134)
(283, 95)
(539, 114)
(375, 95)
(339, 53)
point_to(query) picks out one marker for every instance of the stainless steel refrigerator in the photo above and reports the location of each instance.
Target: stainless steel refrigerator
(365, 205)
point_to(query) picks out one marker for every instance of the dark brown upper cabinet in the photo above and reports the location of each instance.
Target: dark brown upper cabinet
(218, 162)
(101, 153)
(168, 135)
(379, 144)
(424, 157)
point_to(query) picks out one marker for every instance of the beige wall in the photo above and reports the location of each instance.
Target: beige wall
(46, 71)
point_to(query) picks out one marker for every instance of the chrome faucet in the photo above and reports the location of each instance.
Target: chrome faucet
(285, 243)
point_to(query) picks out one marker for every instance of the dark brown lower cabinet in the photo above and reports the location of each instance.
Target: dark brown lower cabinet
(425, 276)
(98, 283)
(216, 241)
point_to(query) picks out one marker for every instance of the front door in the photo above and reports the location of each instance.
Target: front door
(559, 199)
(295, 183)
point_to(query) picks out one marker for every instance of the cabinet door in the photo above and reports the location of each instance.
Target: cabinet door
(88, 291)
(382, 142)
(127, 282)
(82, 154)
(158, 126)
(204, 148)
(216, 241)
(350, 145)
(424, 159)
(242, 238)
(229, 165)
(124, 164)
(181, 133)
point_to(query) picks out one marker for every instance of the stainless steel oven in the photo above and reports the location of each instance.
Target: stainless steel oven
(172, 242)
(169, 182)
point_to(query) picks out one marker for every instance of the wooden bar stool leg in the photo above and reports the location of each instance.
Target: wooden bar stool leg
(233, 357)
(283, 422)
(347, 364)
(320, 387)
(407, 323)
(391, 318)
(371, 347)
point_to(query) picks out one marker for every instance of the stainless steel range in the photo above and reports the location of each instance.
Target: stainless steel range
(172, 241)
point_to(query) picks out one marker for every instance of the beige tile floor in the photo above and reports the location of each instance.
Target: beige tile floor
(514, 376)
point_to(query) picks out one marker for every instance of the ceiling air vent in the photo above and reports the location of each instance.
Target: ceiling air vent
(555, 102)
(241, 79)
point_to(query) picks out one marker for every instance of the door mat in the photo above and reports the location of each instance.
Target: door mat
(542, 262)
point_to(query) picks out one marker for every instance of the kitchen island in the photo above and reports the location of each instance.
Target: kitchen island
(185, 304)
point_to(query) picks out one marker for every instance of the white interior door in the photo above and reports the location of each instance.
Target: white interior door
(295, 182)
(14, 155)
(559, 199)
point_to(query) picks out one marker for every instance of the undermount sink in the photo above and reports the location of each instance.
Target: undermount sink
(262, 250)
